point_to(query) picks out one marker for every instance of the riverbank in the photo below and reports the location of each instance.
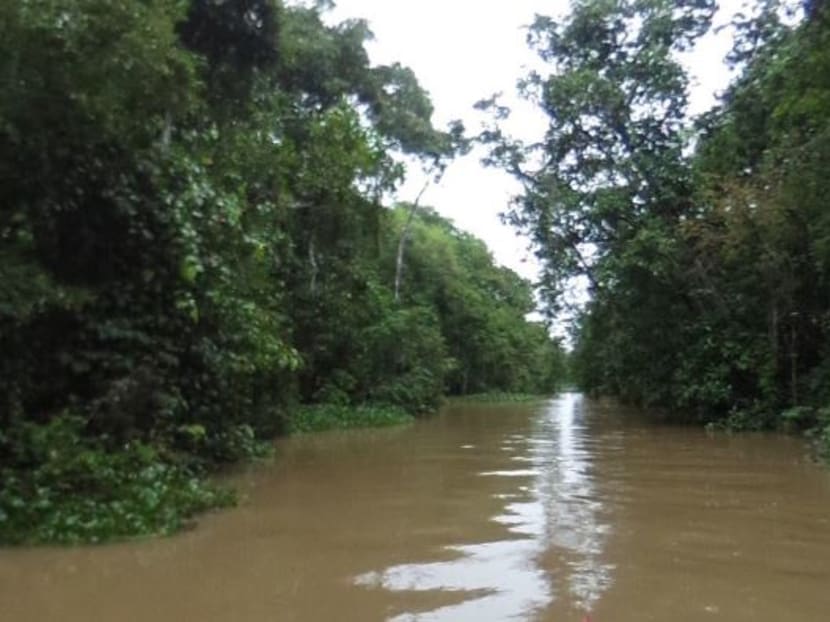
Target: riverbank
(322, 417)
(72, 489)
(497, 398)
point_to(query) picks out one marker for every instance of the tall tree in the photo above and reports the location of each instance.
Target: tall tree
(608, 182)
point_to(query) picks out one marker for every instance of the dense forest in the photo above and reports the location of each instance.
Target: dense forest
(704, 242)
(197, 254)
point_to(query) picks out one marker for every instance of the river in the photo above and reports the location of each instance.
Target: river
(559, 511)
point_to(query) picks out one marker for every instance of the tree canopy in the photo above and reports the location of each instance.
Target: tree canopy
(193, 245)
(703, 240)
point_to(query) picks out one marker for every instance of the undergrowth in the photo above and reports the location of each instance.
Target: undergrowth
(66, 488)
(319, 417)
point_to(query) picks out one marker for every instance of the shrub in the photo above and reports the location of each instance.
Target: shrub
(58, 486)
(319, 417)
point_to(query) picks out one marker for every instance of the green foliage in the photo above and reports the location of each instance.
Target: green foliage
(821, 432)
(613, 186)
(704, 243)
(232, 444)
(481, 309)
(459, 316)
(405, 357)
(192, 241)
(61, 486)
(320, 417)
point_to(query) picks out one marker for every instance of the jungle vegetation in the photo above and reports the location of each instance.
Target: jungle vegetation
(196, 254)
(704, 242)
(197, 251)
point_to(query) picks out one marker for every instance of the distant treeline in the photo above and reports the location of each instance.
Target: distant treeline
(193, 250)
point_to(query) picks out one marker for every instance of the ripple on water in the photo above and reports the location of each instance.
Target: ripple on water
(558, 509)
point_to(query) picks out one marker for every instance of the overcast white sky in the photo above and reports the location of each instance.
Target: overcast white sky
(465, 50)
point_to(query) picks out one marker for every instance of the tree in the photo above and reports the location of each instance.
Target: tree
(609, 181)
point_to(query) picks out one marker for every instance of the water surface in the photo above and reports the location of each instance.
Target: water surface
(553, 511)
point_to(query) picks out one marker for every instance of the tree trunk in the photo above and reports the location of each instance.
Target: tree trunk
(794, 363)
(402, 242)
(312, 260)
(167, 132)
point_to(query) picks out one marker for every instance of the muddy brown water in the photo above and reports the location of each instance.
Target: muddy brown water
(554, 511)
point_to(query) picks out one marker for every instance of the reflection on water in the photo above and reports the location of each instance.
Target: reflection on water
(578, 525)
(481, 570)
(559, 510)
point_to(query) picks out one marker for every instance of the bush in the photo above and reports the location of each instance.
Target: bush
(60, 487)
(319, 417)
(235, 444)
